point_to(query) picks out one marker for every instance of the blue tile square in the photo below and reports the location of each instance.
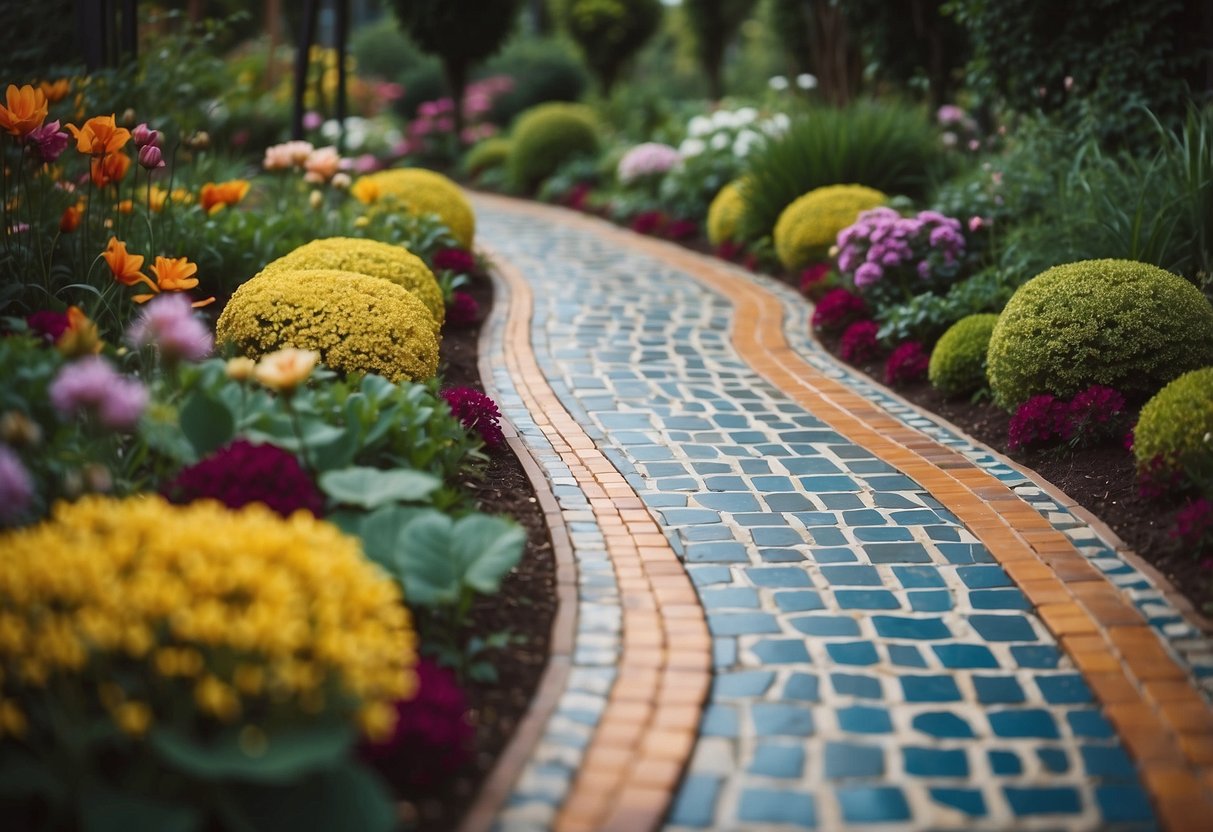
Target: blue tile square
(777, 806)
(826, 625)
(905, 655)
(930, 689)
(866, 599)
(853, 653)
(1090, 724)
(773, 483)
(1003, 627)
(779, 577)
(915, 517)
(730, 597)
(998, 599)
(777, 761)
(708, 575)
(809, 465)
(882, 534)
(970, 801)
(765, 536)
(949, 534)
(833, 554)
(780, 719)
(930, 600)
(919, 577)
(896, 553)
(885, 499)
(700, 534)
(1027, 722)
(1108, 761)
(851, 575)
(695, 804)
(1123, 804)
(845, 759)
(802, 687)
(891, 626)
(825, 536)
(741, 623)
(862, 719)
(840, 502)
(826, 485)
(731, 501)
(1064, 689)
(873, 804)
(849, 684)
(935, 762)
(724, 652)
(863, 517)
(717, 552)
(719, 721)
(1053, 760)
(1005, 763)
(1036, 657)
(791, 502)
(942, 724)
(743, 683)
(781, 651)
(816, 518)
(983, 577)
(998, 690)
(1043, 800)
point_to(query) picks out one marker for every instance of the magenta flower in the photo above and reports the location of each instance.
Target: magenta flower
(907, 364)
(838, 308)
(48, 141)
(648, 222)
(1194, 524)
(859, 343)
(91, 385)
(1038, 421)
(47, 325)
(16, 486)
(145, 136)
(463, 311)
(243, 473)
(455, 260)
(477, 412)
(150, 157)
(169, 324)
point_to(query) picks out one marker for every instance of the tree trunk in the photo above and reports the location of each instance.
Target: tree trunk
(714, 70)
(836, 59)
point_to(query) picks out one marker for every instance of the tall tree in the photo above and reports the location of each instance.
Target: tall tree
(461, 33)
(715, 23)
(818, 31)
(609, 32)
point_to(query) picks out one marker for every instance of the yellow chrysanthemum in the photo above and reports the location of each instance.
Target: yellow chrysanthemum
(809, 226)
(421, 191)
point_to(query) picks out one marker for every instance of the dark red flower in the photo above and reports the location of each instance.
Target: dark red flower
(1194, 525)
(463, 311)
(243, 473)
(859, 343)
(47, 325)
(1039, 421)
(454, 260)
(681, 229)
(908, 363)
(814, 281)
(1095, 415)
(837, 309)
(729, 250)
(477, 412)
(577, 196)
(648, 222)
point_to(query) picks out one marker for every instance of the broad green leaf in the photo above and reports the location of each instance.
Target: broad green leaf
(105, 810)
(426, 564)
(206, 423)
(487, 548)
(288, 754)
(372, 487)
(379, 531)
(344, 797)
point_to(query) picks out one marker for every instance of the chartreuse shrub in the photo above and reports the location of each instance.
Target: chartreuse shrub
(958, 362)
(419, 191)
(207, 668)
(809, 226)
(725, 213)
(358, 324)
(1174, 433)
(1116, 323)
(372, 258)
(489, 154)
(547, 136)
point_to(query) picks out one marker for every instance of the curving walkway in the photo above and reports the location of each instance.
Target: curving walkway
(789, 600)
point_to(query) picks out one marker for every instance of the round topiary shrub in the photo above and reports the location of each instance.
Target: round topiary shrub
(1117, 323)
(547, 136)
(358, 324)
(489, 154)
(372, 258)
(421, 191)
(725, 213)
(809, 226)
(958, 362)
(1174, 434)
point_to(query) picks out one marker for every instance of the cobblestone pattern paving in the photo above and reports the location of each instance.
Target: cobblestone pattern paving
(874, 665)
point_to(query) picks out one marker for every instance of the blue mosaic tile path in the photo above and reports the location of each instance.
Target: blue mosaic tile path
(875, 667)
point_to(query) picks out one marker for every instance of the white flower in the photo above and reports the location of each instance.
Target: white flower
(806, 81)
(699, 126)
(778, 82)
(777, 124)
(744, 116)
(720, 141)
(745, 142)
(722, 118)
(691, 147)
(331, 129)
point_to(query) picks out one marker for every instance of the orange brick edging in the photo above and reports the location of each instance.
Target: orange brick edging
(645, 736)
(1163, 720)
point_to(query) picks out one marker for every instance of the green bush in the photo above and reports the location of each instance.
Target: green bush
(547, 136)
(380, 49)
(1176, 427)
(809, 226)
(487, 155)
(958, 362)
(1127, 325)
(889, 148)
(543, 69)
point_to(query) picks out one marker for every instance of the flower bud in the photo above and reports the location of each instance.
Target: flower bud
(341, 181)
(150, 157)
(145, 136)
(128, 117)
(315, 200)
(240, 368)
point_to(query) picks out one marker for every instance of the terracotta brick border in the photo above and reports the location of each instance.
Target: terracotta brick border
(644, 739)
(1163, 720)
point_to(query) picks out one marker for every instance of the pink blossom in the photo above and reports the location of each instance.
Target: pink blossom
(92, 385)
(150, 158)
(312, 120)
(145, 136)
(287, 155)
(16, 485)
(48, 141)
(647, 159)
(169, 324)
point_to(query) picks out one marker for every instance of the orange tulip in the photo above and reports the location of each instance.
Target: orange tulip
(125, 267)
(70, 220)
(99, 136)
(25, 112)
(109, 169)
(126, 206)
(216, 195)
(56, 91)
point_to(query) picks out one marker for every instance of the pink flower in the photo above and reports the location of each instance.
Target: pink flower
(976, 224)
(48, 141)
(908, 363)
(150, 158)
(859, 343)
(287, 155)
(312, 120)
(321, 165)
(169, 324)
(91, 385)
(145, 136)
(647, 159)
(477, 412)
(16, 486)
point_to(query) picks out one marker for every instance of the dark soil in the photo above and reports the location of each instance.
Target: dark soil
(524, 607)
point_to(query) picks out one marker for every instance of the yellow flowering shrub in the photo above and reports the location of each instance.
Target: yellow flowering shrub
(193, 616)
(421, 191)
(374, 259)
(809, 226)
(358, 324)
(725, 212)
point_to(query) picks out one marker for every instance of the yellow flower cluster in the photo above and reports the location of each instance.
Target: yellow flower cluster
(420, 191)
(140, 606)
(374, 259)
(358, 324)
(809, 226)
(725, 213)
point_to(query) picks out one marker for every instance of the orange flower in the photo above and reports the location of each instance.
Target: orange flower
(70, 220)
(286, 369)
(81, 336)
(173, 274)
(126, 206)
(126, 267)
(216, 195)
(110, 169)
(100, 136)
(25, 112)
(56, 91)
(365, 191)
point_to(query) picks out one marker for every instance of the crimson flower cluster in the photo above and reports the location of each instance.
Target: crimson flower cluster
(243, 473)
(464, 310)
(837, 309)
(1092, 416)
(908, 363)
(859, 343)
(477, 412)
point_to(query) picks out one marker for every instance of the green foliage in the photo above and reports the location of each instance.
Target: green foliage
(1116, 323)
(958, 362)
(1176, 428)
(887, 147)
(1072, 60)
(487, 155)
(609, 32)
(381, 50)
(715, 23)
(371, 488)
(547, 136)
(925, 317)
(912, 44)
(35, 38)
(808, 227)
(543, 69)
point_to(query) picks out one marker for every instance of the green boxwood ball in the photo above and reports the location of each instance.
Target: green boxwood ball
(1122, 324)
(958, 362)
(1177, 426)
(547, 136)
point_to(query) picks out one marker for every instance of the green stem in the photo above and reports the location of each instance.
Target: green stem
(297, 427)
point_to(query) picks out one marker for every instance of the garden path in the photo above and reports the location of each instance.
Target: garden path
(792, 601)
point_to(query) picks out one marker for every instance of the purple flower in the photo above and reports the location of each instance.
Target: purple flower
(243, 473)
(168, 323)
(16, 485)
(48, 141)
(477, 412)
(867, 274)
(47, 325)
(92, 385)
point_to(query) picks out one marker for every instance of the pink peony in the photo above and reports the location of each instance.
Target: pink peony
(169, 324)
(91, 385)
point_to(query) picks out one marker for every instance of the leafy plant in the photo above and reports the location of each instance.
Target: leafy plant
(609, 32)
